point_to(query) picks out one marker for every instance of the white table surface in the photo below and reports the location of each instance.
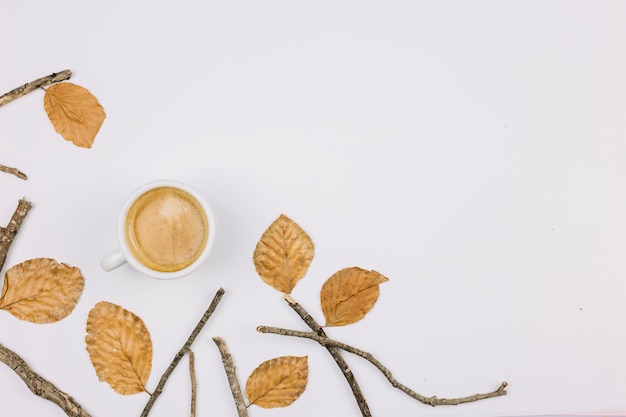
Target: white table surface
(472, 152)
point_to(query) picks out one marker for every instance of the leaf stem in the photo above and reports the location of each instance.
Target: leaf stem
(183, 351)
(229, 367)
(7, 234)
(18, 92)
(40, 386)
(432, 401)
(14, 171)
(335, 353)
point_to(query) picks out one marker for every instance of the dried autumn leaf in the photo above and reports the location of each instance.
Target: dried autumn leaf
(41, 290)
(74, 112)
(349, 294)
(283, 255)
(120, 348)
(278, 382)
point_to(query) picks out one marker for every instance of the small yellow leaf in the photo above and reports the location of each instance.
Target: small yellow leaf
(283, 255)
(74, 112)
(119, 347)
(349, 294)
(41, 290)
(278, 382)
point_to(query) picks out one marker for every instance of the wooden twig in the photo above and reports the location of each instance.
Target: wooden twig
(335, 353)
(35, 382)
(432, 401)
(40, 386)
(18, 92)
(183, 351)
(7, 234)
(14, 171)
(229, 367)
(192, 376)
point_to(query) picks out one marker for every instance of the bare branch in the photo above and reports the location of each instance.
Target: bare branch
(192, 376)
(35, 382)
(40, 386)
(9, 232)
(10, 170)
(335, 353)
(18, 92)
(229, 367)
(183, 351)
(432, 401)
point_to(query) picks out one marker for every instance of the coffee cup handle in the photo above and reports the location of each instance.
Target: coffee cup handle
(113, 260)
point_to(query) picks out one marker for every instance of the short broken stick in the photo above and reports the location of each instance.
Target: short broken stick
(10, 170)
(7, 234)
(192, 376)
(233, 382)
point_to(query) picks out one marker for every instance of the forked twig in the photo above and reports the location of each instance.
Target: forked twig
(432, 401)
(183, 351)
(335, 353)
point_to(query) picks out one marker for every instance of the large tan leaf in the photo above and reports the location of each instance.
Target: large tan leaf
(278, 382)
(349, 294)
(120, 348)
(283, 255)
(41, 290)
(74, 112)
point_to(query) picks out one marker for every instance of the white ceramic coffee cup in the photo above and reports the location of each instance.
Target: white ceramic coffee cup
(125, 255)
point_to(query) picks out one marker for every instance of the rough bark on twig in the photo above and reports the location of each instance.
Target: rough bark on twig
(40, 386)
(10, 170)
(55, 77)
(335, 353)
(432, 401)
(192, 376)
(233, 382)
(35, 382)
(7, 234)
(183, 351)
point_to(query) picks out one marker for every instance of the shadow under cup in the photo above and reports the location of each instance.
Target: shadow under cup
(165, 230)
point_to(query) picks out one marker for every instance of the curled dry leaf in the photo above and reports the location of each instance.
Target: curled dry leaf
(41, 290)
(349, 294)
(283, 255)
(119, 347)
(74, 112)
(278, 382)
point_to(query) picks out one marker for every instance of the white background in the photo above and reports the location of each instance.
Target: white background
(472, 152)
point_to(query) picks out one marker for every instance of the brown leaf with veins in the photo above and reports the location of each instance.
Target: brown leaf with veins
(119, 347)
(278, 382)
(349, 294)
(41, 290)
(283, 254)
(74, 112)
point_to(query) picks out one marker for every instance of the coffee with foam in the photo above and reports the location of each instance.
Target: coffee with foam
(166, 229)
